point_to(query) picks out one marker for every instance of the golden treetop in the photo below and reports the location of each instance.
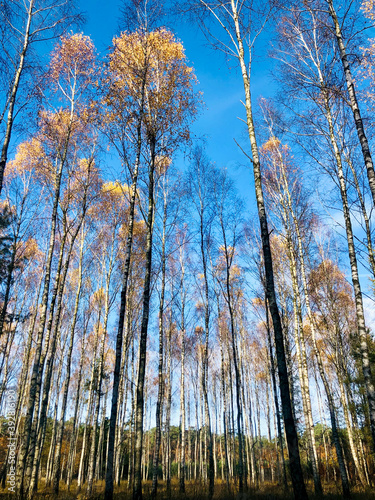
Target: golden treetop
(73, 56)
(30, 158)
(149, 71)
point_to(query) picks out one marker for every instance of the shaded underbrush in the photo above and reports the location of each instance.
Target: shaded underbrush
(194, 491)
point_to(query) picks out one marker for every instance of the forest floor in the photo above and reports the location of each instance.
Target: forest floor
(194, 491)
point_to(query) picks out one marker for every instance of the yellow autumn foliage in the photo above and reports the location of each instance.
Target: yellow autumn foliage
(162, 164)
(368, 8)
(151, 68)
(272, 144)
(28, 250)
(74, 56)
(30, 158)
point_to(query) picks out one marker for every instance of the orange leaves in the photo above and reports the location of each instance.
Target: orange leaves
(162, 163)
(368, 8)
(148, 73)
(271, 145)
(73, 57)
(28, 250)
(274, 152)
(151, 57)
(55, 126)
(112, 207)
(30, 158)
(257, 302)
(113, 196)
(84, 182)
(198, 331)
(367, 71)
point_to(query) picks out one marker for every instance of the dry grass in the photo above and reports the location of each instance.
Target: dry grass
(194, 491)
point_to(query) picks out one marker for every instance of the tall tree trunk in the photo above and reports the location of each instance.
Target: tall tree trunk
(100, 453)
(14, 91)
(155, 462)
(355, 109)
(123, 398)
(340, 456)
(22, 392)
(25, 440)
(169, 404)
(137, 491)
(349, 430)
(57, 294)
(323, 423)
(228, 259)
(290, 428)
(370, 248)
(223, 395)
(73, 440)
(55, 421)
(276, 399)
(131, 425)
(211, 471)
(57, 459)
(50, 342)
(108, 493)
(301, 353)
(182, 381)
(93, 449)
(81, 470)
(366, 368)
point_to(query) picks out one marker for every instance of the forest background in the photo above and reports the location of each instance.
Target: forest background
(149, 332)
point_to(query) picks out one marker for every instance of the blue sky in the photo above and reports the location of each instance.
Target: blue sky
(221, 86)
(222, 89)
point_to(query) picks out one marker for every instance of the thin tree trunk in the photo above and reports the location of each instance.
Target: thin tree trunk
(370, 248)
(73, 440)
(169, 404)
(108, 493)
(155, 462)
(290, 428)
(81, 470)
(93, 449)
(323, 423)
(301, 353)
(57, 294)
(13, 94)
(57, 460)
(131, 426)
(228, 259)
(25, 440)
(55, 423)
(276, 399)
(182, 382)
(100, 451)
(358, 123)
(223, 395)
(211, 472)
(349, 430)
(46, 355)
(366, 368)
(123, 392)
(340, 456)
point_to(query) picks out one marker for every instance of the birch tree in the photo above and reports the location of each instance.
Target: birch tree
(24, 25)
(238, 24)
